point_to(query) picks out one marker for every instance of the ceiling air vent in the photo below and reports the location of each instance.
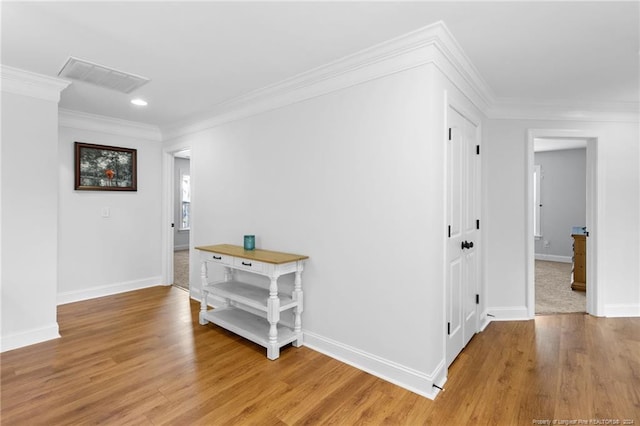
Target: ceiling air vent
(99, 75)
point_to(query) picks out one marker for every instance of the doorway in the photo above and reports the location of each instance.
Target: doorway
(559, 213)
(181, 218)
(177, 220)
(593, 296)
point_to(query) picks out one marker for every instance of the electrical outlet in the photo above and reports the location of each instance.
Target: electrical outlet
(106, 212)
(546, 243)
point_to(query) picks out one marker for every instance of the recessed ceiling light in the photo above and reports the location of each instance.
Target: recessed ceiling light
(139, 102)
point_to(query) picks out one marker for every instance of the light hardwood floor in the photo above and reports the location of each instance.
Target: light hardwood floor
(141, 358)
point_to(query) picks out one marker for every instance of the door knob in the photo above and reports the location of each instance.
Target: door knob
(466, 245)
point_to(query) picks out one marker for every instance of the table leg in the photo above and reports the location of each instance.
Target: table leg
(297, 296)
(204, 293)
(273, 316)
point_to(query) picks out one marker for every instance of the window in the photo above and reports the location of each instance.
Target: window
(185, 202)
(537, 202)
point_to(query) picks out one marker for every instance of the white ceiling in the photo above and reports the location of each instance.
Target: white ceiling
(199, 54)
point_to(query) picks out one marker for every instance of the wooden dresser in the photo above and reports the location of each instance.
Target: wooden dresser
(579, 274)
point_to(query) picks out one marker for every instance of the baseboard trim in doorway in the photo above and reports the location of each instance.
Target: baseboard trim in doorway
(553, 258)
(509, 313)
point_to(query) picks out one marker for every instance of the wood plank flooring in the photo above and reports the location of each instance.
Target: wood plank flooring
(141, 358)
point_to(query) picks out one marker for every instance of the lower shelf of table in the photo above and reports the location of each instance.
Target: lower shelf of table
(576, 285)
(251, 327)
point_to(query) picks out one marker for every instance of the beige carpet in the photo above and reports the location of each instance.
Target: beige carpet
(553, 289)
(181, 269)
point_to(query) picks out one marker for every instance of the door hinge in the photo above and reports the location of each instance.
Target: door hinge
(448, 329)
(477, 223)
(449, 231)
(173, 225)
(477, 299)
(477, 149)
(449, 133)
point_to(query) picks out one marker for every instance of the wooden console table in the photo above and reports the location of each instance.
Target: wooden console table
(579, 273)
(250, 311)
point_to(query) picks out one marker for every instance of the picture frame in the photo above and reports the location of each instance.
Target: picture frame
(105, 168)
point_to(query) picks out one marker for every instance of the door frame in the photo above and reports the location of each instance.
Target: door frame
(168, 189)
(595, 295)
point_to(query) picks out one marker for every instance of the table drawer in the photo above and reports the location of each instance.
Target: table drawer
(248, 265)
(217, 258)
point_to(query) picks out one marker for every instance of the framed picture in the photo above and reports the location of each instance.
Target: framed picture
(105, 168)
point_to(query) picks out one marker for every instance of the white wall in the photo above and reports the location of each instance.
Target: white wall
(97, 255)
(619, 208)
(352, 180)
(564, 200)
(180, 237)
(29, 220)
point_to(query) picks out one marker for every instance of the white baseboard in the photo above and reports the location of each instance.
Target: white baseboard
(397, 374)
(107, 290)
(509, 313)
(405, 377)
(622, 310)
(485, 320)
(29, 337)
(553, 258)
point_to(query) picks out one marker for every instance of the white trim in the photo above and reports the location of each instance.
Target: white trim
(553, 258)
(113, 126)
(432, 44)
(537, 201)
(595, 210)
(408, 378)
(29, 337)
(167, 213)
(509, 313)
(181, 247)
(27, 83)
(485, 320)
(622, 310)
(107, 290)
(595, 192)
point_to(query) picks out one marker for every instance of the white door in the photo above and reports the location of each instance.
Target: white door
(463, 178)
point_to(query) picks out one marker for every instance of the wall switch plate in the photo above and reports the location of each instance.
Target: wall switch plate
(106, 212)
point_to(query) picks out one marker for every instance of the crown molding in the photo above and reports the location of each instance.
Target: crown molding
(523, 109)
(433, 44)
(114, 126)
(27, 83)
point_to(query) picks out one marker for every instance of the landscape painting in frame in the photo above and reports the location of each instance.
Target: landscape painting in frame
(105, 168)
